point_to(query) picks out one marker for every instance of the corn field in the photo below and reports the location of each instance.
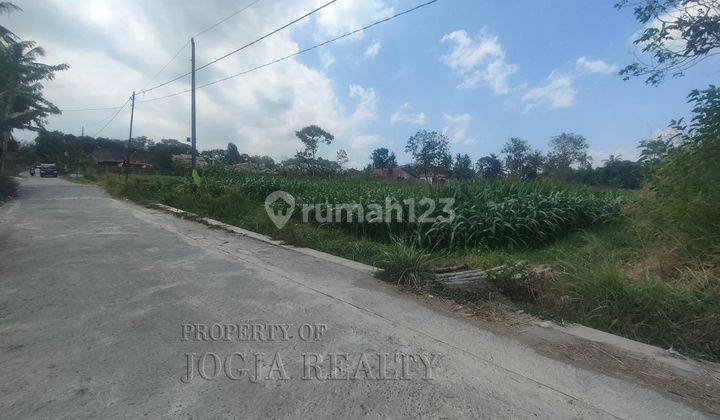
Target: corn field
(498, 214)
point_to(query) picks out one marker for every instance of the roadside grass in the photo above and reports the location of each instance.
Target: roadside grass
(8, 188)
(596, 280)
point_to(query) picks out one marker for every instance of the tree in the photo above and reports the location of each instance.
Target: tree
(653, 151)
(22, 104)
(489, 167)
(516, 152)
(311, 136)
(160, 154)
(6, 35)
(232, 156)
(533, 165)
(567, 149)
(383, 159)
(677, 34)
(342, 157)
(430, 150)
(462, 167)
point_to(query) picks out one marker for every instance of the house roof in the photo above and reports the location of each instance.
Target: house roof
(105, 155)
(396, 172)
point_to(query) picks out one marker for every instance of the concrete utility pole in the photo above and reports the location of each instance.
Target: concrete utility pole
(193, 139)
(129, 145)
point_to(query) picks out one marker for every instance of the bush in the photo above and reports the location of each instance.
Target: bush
(680, 205)
(8, 187)
(405, 264)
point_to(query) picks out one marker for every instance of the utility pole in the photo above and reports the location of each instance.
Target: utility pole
(82, 131)
(127, 160)
(193, 139)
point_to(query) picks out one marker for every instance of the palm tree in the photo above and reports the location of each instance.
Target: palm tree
(22, 104)
(6, 35)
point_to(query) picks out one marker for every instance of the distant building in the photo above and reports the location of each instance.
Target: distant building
(434, 178)
(112, 159)
(353, 173)
(395, 174)
(199, 160)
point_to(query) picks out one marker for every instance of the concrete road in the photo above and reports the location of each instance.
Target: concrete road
(103, 302)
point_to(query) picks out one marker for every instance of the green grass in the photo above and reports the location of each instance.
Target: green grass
(8, 188)
(594, 280)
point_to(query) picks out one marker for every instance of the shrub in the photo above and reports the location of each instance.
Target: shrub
(8, 187)
(405, 264)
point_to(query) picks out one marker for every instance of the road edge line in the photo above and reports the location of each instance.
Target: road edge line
(665, 357)
(368, 269)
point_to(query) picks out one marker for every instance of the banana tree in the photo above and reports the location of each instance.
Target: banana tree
(22, 104)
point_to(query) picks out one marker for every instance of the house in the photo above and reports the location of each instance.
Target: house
(186, 158)
(353, 173)
(434, 178)
(396, 173)
(113, 159)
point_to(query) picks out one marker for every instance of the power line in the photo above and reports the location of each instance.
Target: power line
(225, 19)
(209, 28)
(165, 66)
(244, 46)
(267, 35)
(299, 52)
(113, 117)
(89, 109)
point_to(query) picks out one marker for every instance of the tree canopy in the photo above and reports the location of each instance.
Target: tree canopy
(676, 33)
(311, 136)
(430, 150)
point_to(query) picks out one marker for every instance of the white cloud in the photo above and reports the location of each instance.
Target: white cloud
(258, 111)
(366, 141)
(596, 66)
(599, 156)
(373, 49)
(480, 61)
(366, 102)
(557, 92)
(347, 15)
(405, 115)
(326, 58)
(457, 128)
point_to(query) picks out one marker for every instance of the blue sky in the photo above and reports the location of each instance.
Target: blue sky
(481, 71)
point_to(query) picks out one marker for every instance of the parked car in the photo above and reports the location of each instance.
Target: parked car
(48, 169)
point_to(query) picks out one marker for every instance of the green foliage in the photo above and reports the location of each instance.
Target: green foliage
(8, 187)
(342, 158)
(430, 151)
(311, 136)
(489, 167)
(590, 289)
(677, 34)
(680, 203)
(488, 214)
(383, 159)
(406, 264)
(232, 155)
(615, 173)
(462, 167)
(567, 149)
(6, 35)
(521, 162)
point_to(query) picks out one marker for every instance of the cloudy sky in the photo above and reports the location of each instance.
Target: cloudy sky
(479, 70)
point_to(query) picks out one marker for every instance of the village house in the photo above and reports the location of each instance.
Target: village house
(114, 159)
